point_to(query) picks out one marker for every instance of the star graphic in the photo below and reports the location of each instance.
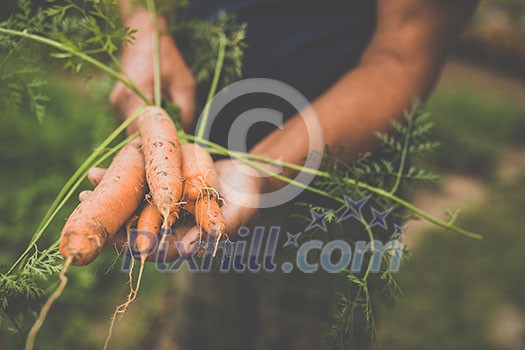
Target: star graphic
(353, 208)
(292, 239)
(399, 231)
(318, 220)
(379, 218)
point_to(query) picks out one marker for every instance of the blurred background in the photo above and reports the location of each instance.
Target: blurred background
(458, 293)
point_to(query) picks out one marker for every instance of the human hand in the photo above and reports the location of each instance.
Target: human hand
(240, 189)
(178, 83)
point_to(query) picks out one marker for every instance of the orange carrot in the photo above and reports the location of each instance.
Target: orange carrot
(99, 216)
(208, 215)
(201, 189)
(163, 161)
(198, 170)
(148, 227)
(148, 220)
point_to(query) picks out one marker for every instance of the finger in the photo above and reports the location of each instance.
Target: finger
(82, 196)
(188, 243)
(95, 175)
(126, 102)
(240, 192)
(185, 100)
(182, 242)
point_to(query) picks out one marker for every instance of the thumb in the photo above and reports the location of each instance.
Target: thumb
(95, 175)
(82, 196)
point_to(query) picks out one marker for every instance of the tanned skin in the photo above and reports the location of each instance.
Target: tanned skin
(402, 62)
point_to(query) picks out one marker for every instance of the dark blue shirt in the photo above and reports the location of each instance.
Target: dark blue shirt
(308, 44)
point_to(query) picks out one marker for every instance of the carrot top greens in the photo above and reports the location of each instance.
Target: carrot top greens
(85, 36)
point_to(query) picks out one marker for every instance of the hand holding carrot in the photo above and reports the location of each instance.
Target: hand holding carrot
(220, 196)
(239, 190)
(178, 83)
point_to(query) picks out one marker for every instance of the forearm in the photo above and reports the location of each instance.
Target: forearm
(177, 82)
(401, 63)
(362, 102)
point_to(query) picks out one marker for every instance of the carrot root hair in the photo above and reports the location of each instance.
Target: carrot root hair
(30, 342)
(132, 295)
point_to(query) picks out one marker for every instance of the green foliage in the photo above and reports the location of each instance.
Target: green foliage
(22, 81)
(88, 26)
(200, 41)
(36, 165)
(93, 29)
(474, 129)
(39, 267)
(389, 168)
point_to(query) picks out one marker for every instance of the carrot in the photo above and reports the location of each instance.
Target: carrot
(201, 189)
(148, 226)
(99, 216)
(163, 161)
(208, 215)
(198, 170)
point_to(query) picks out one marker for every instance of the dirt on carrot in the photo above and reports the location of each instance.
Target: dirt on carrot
(201, 189)
(104, 211)
(163, 162)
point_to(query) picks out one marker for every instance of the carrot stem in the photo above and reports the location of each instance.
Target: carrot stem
(251, 160)
(81, 55)
(215, 82)
(73, 183)
(157, 83)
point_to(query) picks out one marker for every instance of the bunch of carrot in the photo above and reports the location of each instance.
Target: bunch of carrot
(148, 183)
(146, 186)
